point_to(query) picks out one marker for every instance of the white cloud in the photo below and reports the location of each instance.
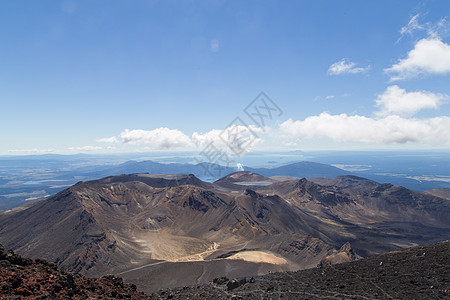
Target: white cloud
(392, 124)
(203, 139)
(396, 100)
(329, 97)
(429, 56)
(441, 29)
(387, 130)
(159, 138)
(214, 45)
(237, 139)
(33, 151)
(290, 143)
(412, 26)
(433, 30)
(345, 66)
(85, 148)
(234, 139)
(110, 140)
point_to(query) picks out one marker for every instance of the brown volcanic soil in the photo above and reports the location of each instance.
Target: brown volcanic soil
(160, 231)
(421, 272)
(343, 181)
(23, 278)
(443, 193)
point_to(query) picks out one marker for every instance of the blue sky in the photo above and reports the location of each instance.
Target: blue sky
(121, 76)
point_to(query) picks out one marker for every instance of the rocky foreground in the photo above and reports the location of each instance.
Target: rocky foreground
(23, 278)
(421, 272)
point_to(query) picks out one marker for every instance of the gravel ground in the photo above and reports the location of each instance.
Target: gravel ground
(421, 272)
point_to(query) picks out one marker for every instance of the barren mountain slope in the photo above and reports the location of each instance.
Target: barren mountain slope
(443, 193)
(190, 231)
(373, 217)
(120, 223)
(420, 272)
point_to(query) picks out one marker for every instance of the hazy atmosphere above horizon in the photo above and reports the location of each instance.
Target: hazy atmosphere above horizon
(235, 76)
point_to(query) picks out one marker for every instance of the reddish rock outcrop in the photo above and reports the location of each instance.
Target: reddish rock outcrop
(22, 278)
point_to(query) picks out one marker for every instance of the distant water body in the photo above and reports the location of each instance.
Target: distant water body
(42, 181)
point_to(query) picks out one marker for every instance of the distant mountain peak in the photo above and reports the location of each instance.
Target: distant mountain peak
(157, 180)
(343, 181)
(244, 176)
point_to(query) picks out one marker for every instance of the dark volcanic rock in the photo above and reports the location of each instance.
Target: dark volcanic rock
(442, 193)
(421, 272)
(22, 278)
(235, 283)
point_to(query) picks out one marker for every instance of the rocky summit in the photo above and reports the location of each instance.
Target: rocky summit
(420, 272)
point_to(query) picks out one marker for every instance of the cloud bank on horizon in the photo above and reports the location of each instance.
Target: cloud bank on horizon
(394, 120)
(407, 105)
